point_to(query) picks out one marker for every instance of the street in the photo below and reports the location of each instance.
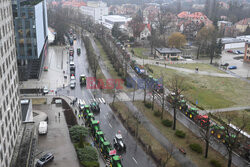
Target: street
(109, 123)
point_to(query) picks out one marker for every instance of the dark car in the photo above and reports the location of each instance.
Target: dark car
(45, 159)
(232, 67)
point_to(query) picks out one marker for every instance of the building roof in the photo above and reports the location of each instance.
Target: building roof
(230, 40)
(245, 21)
(168, 50)
(116, 18)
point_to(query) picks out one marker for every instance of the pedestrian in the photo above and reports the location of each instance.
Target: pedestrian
(59, 114)
(79, 116)
(76, 112)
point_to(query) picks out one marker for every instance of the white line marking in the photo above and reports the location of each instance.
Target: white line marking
(100, 100)
(103, 100)
(135, 160)
(94, 100)
(110, 125)
(83, 102)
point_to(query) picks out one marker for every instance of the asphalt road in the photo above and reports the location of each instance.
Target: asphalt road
(109, 123)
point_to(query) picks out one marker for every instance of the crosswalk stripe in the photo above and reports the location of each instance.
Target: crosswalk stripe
(103, 100)
(94, 100)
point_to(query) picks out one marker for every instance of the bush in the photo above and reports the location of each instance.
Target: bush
(88, 153)
(148, 104)
(196, 147)
(90, 164)
(215, 163)
(180, 134)
(167, 123)
(76, 132)
(157, 113)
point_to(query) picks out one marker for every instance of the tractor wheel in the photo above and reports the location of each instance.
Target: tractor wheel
(180, 108)
(191, 116)
(212, 132)
(218, 136)
(186, 113)
(223, 141)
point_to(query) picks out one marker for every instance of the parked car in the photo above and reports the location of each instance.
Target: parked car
(45, 90)
(72, 84)
(45, 159)
(43, 128)
(235, 52)
(72, 78)
(240, 52)
(232, 67)
(230, 51)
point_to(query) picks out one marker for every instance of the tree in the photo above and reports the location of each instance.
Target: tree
(137, 24)
(76, 132)
(247, 31)
(115, 31)
(176, 85)
(177, 40)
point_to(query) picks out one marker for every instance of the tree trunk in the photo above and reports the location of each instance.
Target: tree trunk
(153, 100)
(198, 52)
(145, 92)
(207, 141)
(229, 158)
(162, 107)
(174, 125)
(206, 151)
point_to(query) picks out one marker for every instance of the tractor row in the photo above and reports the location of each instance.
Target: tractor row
(106, 149)
(216, 130)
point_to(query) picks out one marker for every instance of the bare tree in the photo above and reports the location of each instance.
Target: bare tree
(163, 97)
(176, 85)
(145, 90)
(168, 157)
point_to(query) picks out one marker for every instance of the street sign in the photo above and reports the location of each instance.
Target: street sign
(112, 152)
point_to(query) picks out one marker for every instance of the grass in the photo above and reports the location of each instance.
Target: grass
(201, 66)
(109, 66)
(139, 52)
(211, 92)
(143, 134)
(237, 117)
(199, 160)
(39, 101)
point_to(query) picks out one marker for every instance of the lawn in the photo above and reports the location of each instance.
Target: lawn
(198, 159)
(237, 117)
(143, 134)
(201, 66)
(109, 66)
(210, 92)
(140, 52)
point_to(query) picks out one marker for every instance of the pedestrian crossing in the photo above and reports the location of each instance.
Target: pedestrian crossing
(97, 100)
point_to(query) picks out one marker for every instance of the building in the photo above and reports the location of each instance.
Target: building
(245, 38)
(31, 31)
(145, 32)
(168, 53)
(242, 25)
(95, 9)
(197, 17)
(109, 20)
(232, 43)
(247, 52)
(10, 109)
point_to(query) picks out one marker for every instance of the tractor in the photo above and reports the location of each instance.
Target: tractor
(90, 117)
(86, 111)
(191, 112)
(94, 127)
(78, 51)
(94, 107)
(115, 161)
(105, 149)
(170, 97)
(82, 80)
(99, 137)
(202, 120)
(183, 105)
(218, 131)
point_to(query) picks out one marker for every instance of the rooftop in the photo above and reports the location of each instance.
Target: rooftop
(168, 50)
(230, 40)
(116, 18)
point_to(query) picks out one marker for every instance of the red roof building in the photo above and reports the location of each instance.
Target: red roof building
(197, 17)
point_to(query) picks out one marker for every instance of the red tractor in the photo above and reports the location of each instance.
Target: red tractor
(202, 120)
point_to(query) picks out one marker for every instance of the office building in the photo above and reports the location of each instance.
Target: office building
(31, 32)
(10, 111)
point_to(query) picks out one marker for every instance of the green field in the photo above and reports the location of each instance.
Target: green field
(237, 118)
(201, 66)
(210, 92)
(139, 52)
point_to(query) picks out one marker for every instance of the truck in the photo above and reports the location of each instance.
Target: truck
(43, 127)
(116, 161)
(90, 117)
(82, 80)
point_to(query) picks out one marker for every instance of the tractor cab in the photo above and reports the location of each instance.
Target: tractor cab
(82, 80)
(78, 51)
(99, 137)
(90, 117)
(170, 97)
(118, 142)
(106, 148)
(95, 107)
(192, 112)
(94, 126)
(116, 161)
(86, 111)
(202, 120)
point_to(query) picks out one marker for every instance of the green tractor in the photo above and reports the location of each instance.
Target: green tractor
(90, 117)
(82, 80)
(191, 112)
(105, 149)
(86, 111)
(183, 105)
(115, 161)
(218, 131)
(99, 137)
(226, 139)
(170, 97)
(94, 125)
(94, 107)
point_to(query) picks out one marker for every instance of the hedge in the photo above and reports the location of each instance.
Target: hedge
(157, 113)
(88, 153)
(76, 132)
(167, 123)
(180, 134)
(148, 104)
(90, 164)
(196, 147)
(215, 163)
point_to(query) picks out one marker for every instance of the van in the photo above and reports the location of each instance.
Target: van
(43, 127)
(81, 104)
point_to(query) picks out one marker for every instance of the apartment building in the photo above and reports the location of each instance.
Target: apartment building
(10, 111)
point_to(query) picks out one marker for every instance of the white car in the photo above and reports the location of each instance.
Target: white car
(45, 90)
(72, 84)
(43, 127)
(72, 78)
(81, 104)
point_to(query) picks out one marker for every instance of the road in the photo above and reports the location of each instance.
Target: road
(109, 123)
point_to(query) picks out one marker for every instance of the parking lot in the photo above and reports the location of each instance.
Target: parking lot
(57, 140)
